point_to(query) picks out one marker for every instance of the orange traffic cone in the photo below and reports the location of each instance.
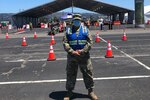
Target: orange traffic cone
(52, 40)
(24, 43)
(7, 36)
(97, 39)
(22, 29)
(109, 51)
(51, 56)
(35, 35)
(124, 37)
(18, 29)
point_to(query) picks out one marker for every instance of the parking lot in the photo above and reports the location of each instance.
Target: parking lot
(25, 73)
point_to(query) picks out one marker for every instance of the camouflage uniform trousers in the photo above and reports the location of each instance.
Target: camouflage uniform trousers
(85, 65)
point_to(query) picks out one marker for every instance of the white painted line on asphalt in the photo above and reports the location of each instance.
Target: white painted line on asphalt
(36, 50)
(59, 59)
(133, 40)
(145, 66)
(79, 79)
(34, 60)
(134, 46)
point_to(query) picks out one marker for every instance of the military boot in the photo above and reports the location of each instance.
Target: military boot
(69, 95)
(92, 94)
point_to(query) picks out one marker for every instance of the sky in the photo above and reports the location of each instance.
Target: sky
(15, 6)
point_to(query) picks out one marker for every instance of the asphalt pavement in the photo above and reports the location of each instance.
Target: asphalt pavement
(25, 73)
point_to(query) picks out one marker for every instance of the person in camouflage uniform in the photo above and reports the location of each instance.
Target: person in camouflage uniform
(77, 42)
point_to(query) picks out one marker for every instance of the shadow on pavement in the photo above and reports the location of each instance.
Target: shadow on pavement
(59, 95)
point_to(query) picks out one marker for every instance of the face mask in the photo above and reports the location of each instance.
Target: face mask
(76, 23)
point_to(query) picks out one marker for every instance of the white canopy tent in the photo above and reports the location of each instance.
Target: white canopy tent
(147, 13)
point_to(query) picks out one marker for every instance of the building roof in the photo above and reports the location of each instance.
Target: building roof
(58, 5)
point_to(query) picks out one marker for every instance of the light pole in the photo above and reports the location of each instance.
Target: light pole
(139, 14)
(72, 6)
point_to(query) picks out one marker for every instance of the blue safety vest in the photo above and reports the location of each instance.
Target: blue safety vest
(77, 41)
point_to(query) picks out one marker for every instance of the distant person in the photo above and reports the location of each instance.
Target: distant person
(64, 25)
(31, 26)
(0, 25)
(0, 28)
(110, 25)
(88, 23)
(101, 23)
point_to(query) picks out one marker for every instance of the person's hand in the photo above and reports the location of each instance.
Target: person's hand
(76, 53)
(79, 51)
